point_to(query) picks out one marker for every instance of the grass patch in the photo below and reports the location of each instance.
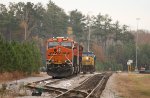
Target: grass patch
(145, 92)
(133, 85)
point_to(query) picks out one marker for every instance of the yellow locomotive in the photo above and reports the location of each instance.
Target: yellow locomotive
(88, 62)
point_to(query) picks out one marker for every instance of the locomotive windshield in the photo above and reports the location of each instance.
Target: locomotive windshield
(52, 44)
(66, 44)
(88, 54)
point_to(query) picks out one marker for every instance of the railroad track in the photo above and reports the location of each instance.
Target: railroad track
(91, 87)
(47, 81)
(43, 84)
(47, 85)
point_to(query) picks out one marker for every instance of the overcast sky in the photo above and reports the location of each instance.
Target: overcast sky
(125, 11)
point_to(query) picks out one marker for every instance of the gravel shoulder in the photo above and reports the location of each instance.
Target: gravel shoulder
(110, 89)
(71, 83)
(127, 85)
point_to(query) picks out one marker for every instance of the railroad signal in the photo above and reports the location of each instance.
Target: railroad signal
(129, 65)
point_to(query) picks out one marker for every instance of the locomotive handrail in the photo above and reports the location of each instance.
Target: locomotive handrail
(51, 58)
(67, 58)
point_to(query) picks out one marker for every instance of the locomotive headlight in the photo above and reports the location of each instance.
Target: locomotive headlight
(67, 61)
(87, 58)
(49, 61)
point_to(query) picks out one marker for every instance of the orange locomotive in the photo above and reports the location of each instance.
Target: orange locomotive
(63, 57)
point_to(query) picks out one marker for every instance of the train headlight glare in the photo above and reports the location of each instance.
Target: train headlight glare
(67, 61)
(87, 58)
(50, 61)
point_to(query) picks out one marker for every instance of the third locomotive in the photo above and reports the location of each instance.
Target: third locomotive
(88, 62)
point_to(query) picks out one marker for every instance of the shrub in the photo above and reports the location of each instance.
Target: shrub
(17, 56)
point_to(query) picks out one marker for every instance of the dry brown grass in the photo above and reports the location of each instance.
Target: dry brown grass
(133, 85)
(4, 77)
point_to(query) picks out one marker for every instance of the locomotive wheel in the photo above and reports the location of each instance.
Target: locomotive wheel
(72, 70)
(79, 68)
(53, 77)
(84, 72)
(78, 71)
(56, 77)
(91, 72)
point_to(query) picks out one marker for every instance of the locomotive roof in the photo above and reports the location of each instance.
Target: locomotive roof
(88, 52)
(57, 38)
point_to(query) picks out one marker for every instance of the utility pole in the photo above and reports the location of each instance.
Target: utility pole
(89, 33)
(136, 49)
(25, 24)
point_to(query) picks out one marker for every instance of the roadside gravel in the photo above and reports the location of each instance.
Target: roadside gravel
(73, 82)
(110, 91)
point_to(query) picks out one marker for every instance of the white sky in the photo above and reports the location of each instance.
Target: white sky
(125, 11)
